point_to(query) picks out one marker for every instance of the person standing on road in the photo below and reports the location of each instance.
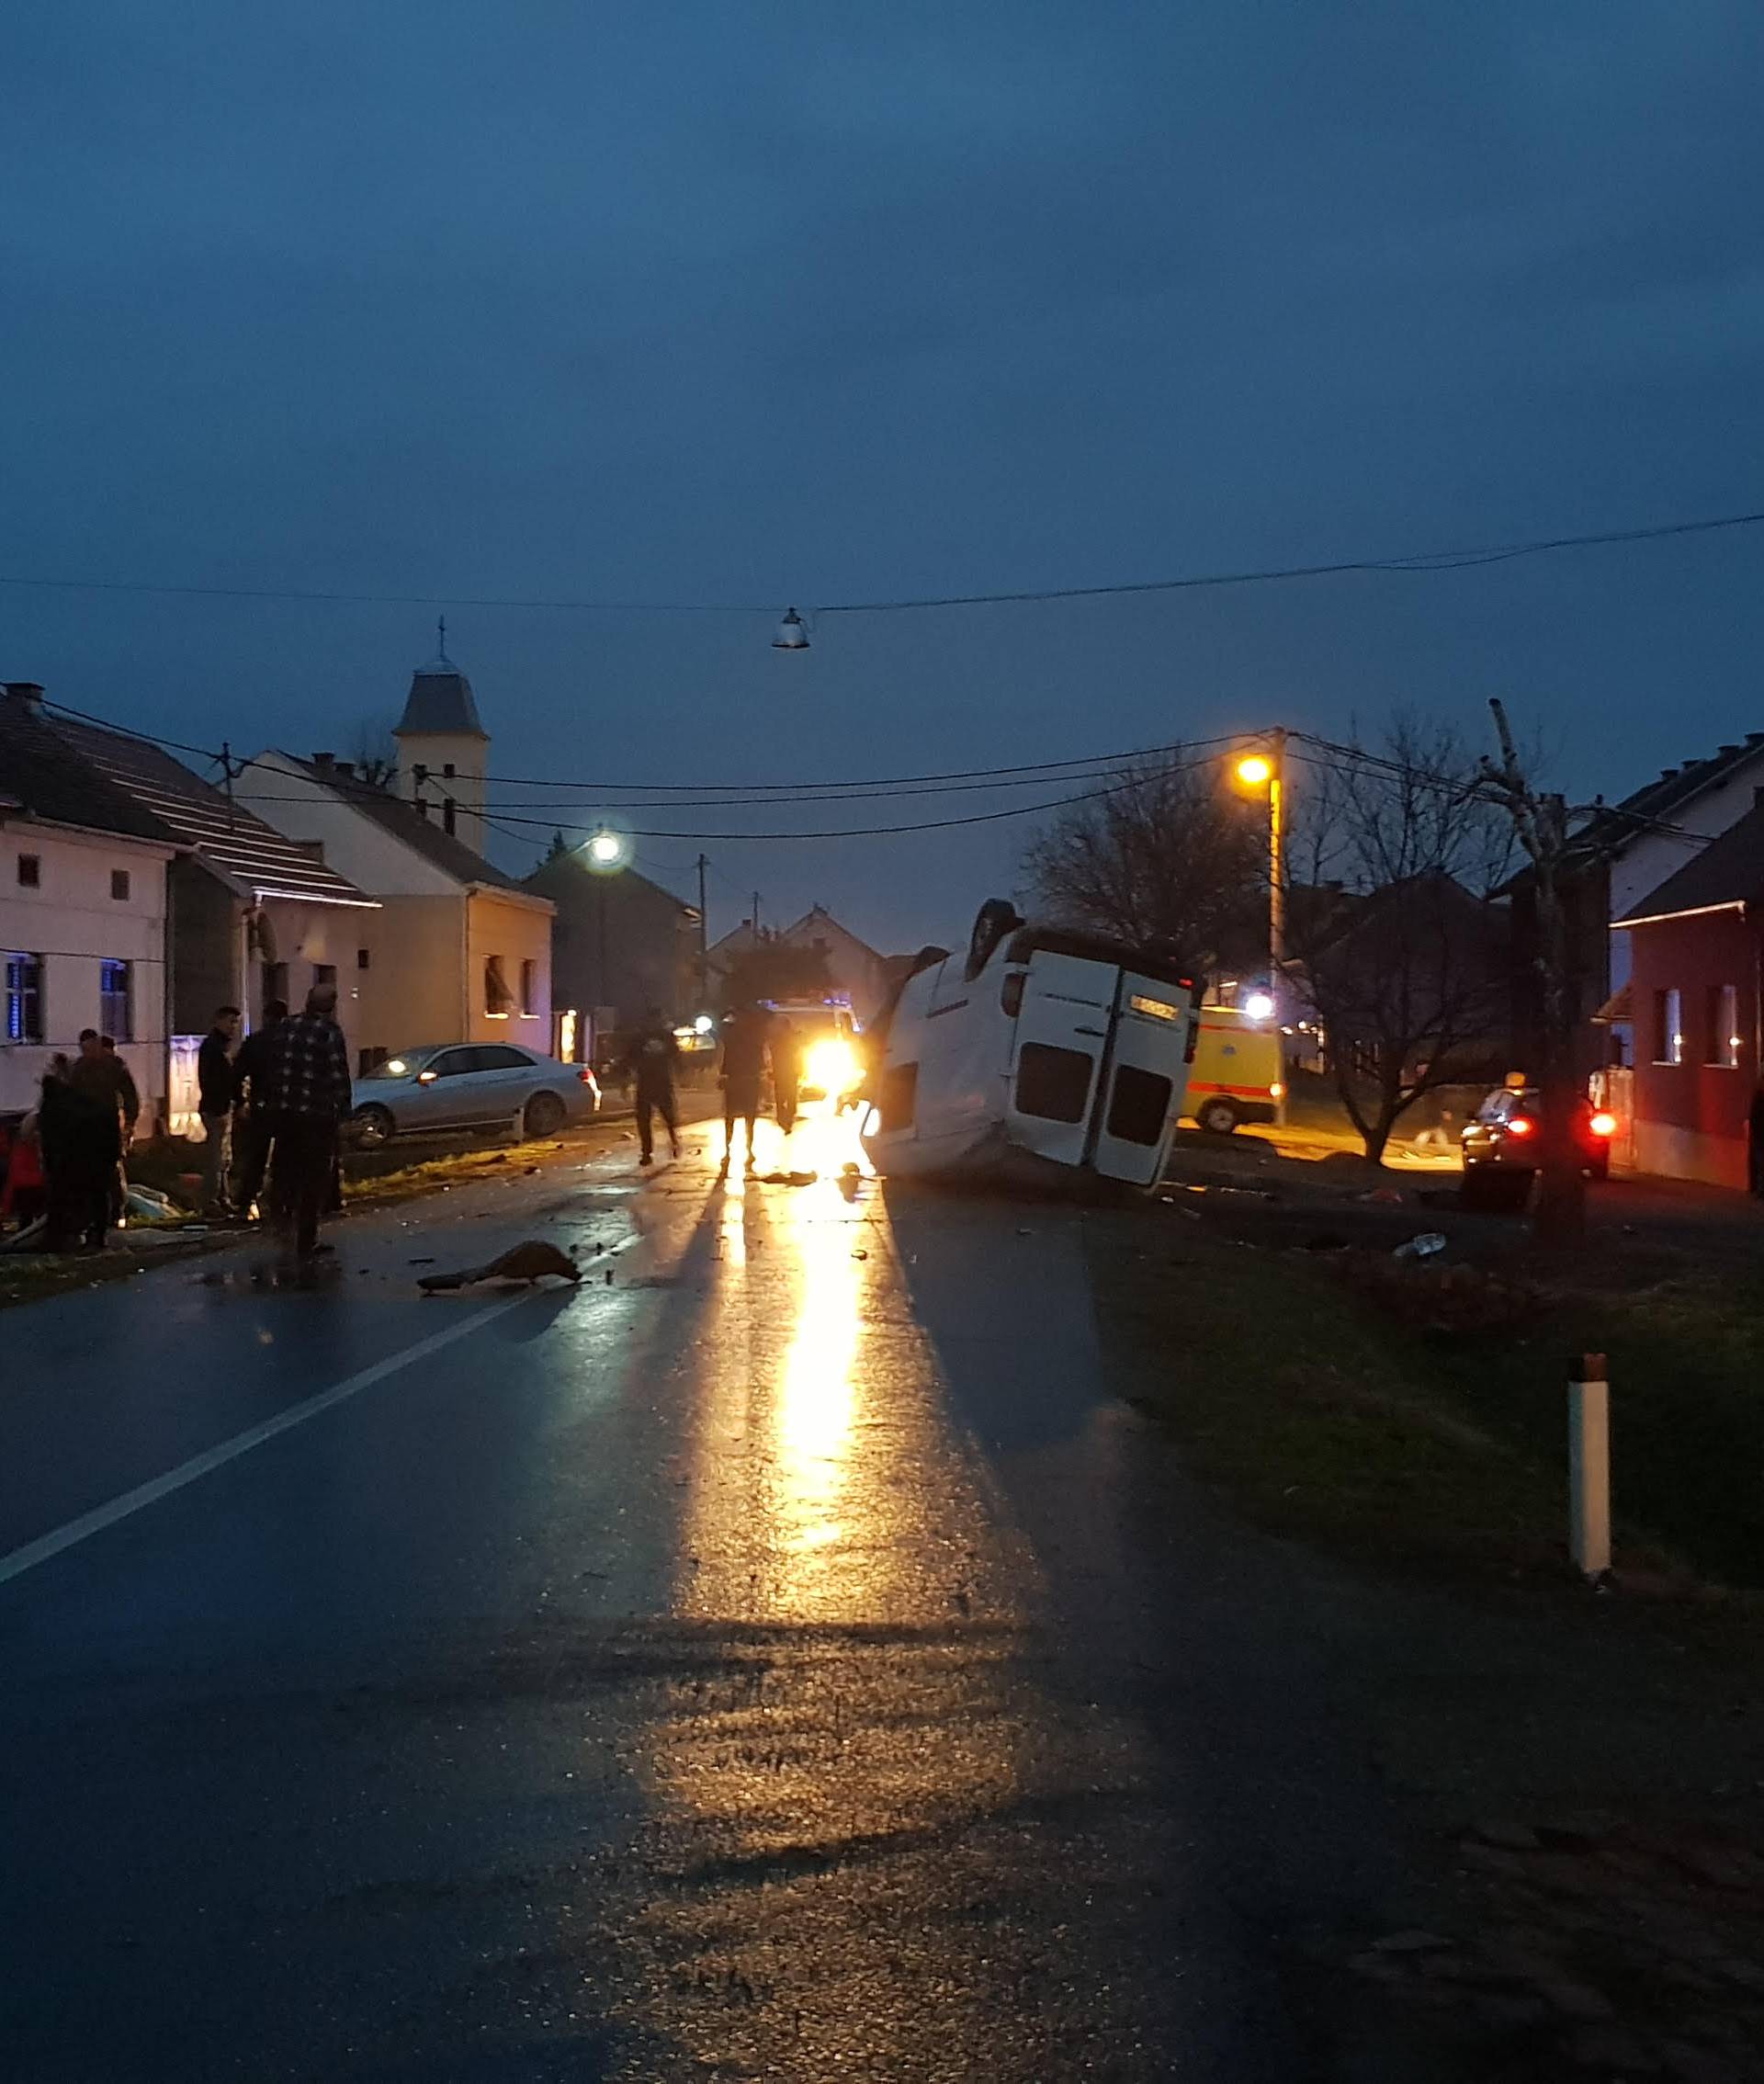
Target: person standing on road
(307, 1085)
(81, 1135)
(214, 1104)
(251, 1117)
(786, 1070)
(648, 1060)
(99, 1075)
(742, 1075)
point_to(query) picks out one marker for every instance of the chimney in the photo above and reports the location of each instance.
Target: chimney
(324, 762)
(346, 769)
(1727, 752)
(27, 693)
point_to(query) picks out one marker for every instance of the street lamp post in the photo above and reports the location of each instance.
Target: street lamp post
(608, 852)
(1268, 770)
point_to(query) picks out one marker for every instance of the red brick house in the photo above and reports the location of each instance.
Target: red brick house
(1698, 943)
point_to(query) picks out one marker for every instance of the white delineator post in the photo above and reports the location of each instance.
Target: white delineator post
(1590, 1464)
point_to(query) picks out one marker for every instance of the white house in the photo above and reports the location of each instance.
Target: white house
(82, 912)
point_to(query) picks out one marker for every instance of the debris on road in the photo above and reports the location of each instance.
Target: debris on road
(532, 1261)
(1424, 1246)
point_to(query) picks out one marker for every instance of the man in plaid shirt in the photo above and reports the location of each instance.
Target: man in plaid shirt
(307, 1093)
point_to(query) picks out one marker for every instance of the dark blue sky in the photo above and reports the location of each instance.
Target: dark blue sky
(778, 302)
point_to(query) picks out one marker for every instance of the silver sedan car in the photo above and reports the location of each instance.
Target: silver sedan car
(460, 1085)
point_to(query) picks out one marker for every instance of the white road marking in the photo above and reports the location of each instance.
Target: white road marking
(129, 1503)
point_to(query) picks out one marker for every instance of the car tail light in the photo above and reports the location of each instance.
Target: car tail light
(585, 1075)
(1603, 1124)
(1520, 1125)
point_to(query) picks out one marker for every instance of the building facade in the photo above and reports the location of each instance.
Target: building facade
(621, 944)
(1697, 970)
(462, 953)
(82, 916)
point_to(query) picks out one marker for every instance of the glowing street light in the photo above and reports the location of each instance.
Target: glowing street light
(1258, 1005)
(1268, 770)
(792, 634)
(607, 849)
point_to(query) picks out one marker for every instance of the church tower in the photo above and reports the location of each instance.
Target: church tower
(443, 748)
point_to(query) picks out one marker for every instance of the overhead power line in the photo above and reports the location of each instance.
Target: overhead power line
(1413, 560)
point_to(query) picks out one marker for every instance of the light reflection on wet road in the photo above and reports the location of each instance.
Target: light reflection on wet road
(738, 1670)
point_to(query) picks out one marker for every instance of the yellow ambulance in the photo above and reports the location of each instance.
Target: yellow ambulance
(1238, 1074)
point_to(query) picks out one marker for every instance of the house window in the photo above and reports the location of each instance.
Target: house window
(24, 998)
(448, 816)
(529, 989)
(119, 885)
(117, 1000)
(499, 1001)
(1668, 1028)
(1721, 1038)
(30, 871)
(447, 769)
(361, 958)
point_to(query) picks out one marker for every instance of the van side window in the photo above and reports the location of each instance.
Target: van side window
(1052, 1084)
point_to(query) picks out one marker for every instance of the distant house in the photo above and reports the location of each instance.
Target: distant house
(463, 952)
(253, 914)
(1620, 852)
(621, 944)
(1698, 945)
(83, 873)
(856, 968)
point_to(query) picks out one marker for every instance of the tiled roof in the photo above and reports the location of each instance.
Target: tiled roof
(1656, 802)
(1729, 870)
(196, 815)
(49, 780)
(439, 704)
(402, 819)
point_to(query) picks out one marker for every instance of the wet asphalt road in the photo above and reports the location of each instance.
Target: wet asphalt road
(785, 1660)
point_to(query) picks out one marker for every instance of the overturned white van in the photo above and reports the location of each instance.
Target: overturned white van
(1041, 1047)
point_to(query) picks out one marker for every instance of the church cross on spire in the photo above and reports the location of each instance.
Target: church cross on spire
(441, 634)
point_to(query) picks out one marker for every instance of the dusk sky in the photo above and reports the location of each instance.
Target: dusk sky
(790, 303)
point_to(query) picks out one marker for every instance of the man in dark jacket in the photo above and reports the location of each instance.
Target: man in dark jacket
(650, 1057)
(252, 1128)
(82, 1142)
(214, 1104)
(307, 1086)
(743, 1072)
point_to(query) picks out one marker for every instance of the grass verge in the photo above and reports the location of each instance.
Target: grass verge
(1324, 1416)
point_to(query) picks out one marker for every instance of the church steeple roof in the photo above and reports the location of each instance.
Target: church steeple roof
(440, 702)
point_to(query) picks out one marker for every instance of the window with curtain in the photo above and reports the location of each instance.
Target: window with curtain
(529, 988)
(499, 1001)
(117, 1000)
(1668, 1028)
(1721, 1027)
(24, 997)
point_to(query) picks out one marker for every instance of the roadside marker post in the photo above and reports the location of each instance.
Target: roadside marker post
(1590, 1464)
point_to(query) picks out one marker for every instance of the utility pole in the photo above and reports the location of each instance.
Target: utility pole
(1277, 870)
(704, 939)
(756, 915)
(1541, 824)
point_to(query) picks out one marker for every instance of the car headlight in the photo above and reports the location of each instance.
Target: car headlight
(832, 1065)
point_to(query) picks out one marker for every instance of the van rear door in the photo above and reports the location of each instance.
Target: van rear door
(1148, 1071)
(1062, 1031)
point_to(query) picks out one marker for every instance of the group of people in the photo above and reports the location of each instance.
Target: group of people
(276, 1106)
(752, 1037)
(65, 1166)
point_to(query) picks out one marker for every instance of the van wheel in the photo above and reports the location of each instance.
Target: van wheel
(1218, 1117)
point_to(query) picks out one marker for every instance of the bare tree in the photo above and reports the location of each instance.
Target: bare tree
(1173, 856)
(1392, 937)
(376, 754)
(1540, 824)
